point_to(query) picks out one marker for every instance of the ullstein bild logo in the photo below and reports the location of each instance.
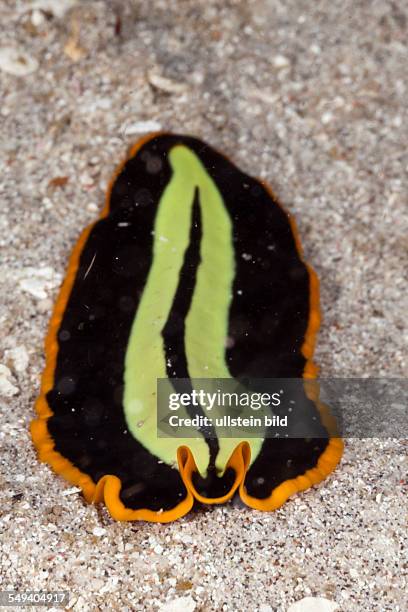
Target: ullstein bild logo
(291, 408)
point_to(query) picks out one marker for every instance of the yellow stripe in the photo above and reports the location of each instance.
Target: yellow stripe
(207, 320)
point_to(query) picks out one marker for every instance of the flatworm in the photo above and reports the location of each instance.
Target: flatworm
(194, 270)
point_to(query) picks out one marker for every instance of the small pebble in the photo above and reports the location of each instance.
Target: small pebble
(17, 61)
(7, 388)
(280, 61)
(37, 18)
(34, 286)
(142, 127)
(37, 281)
(164, 84)
(58, 8)
(327, 118)
(313, 604)
(18, 358)
(45, 305)
(180, 604)
(99, 531)
(72, 491)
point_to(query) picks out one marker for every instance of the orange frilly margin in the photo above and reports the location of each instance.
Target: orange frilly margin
(108, 488)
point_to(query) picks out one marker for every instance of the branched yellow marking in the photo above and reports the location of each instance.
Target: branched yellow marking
(207, 320)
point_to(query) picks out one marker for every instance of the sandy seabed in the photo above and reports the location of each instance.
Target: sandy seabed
(311, 97)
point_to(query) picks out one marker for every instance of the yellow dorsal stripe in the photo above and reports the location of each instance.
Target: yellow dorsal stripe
(207, 320)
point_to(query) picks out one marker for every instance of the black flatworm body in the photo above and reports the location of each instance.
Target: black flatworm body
(193, 271)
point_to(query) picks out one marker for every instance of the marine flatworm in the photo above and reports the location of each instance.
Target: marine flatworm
(193, 270)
